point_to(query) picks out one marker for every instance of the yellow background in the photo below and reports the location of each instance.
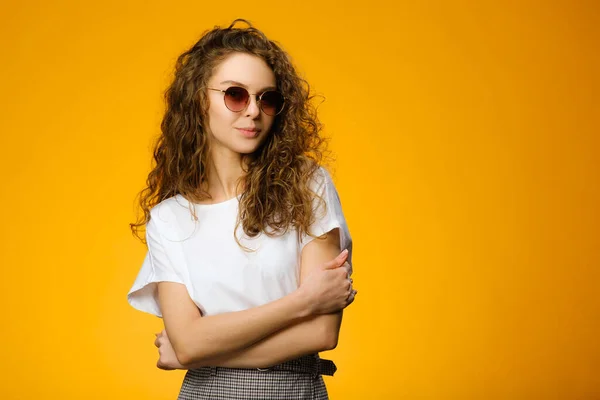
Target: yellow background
(466, 136)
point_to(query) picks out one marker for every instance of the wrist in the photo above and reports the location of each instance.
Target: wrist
(302, 301)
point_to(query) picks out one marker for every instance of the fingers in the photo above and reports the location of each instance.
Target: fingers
(338, 261)
(158, 336)
(350, 281)
(163, 366)
(351, 298)
(348, 268)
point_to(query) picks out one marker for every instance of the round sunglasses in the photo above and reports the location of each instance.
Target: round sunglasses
(237, 98)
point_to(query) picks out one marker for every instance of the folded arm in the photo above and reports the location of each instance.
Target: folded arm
(308, 335)
(257, 337)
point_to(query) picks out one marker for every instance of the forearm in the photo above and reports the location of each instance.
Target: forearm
(215, 336)
(307, 336)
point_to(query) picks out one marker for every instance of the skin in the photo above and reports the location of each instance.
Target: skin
(227, 144)
(303, 322)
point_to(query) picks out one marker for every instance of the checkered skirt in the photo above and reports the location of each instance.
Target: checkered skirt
(297, 379)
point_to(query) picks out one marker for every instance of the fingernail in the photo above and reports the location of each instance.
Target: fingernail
(345, 251)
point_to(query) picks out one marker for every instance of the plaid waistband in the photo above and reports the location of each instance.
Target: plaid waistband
(310, 364)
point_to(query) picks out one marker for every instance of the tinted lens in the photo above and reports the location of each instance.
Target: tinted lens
(271, 102)
(236, 98)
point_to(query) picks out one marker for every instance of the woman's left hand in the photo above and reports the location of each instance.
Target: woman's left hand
(167, 359)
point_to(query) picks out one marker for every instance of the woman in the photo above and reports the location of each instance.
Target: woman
(244, 227)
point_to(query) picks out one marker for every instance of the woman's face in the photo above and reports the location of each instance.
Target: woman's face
(252, 73)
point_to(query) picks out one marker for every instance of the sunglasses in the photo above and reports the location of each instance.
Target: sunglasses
(237, 98)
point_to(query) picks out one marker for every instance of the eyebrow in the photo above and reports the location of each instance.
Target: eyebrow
(244, 86)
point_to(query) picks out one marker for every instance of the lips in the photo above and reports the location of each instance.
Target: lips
(249, 132)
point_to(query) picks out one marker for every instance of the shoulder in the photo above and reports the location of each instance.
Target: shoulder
(320, 180)
(173, 218)
(168, 207)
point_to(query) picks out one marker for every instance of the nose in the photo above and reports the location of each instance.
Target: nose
(252, 110)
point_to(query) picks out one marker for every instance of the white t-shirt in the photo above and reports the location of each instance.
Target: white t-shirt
(218, 274)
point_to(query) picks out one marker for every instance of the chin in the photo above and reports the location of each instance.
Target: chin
(247, 149)
(250, 146)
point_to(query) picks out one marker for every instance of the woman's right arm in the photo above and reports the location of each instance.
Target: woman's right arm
(196, 339)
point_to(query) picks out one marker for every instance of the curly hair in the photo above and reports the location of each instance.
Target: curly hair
(276, 185)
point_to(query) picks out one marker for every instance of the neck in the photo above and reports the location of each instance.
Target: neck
(224, 172)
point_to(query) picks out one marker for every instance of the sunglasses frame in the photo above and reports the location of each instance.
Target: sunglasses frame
(258, 99)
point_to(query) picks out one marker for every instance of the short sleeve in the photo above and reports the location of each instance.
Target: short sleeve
(156, 267)
(329, 217)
